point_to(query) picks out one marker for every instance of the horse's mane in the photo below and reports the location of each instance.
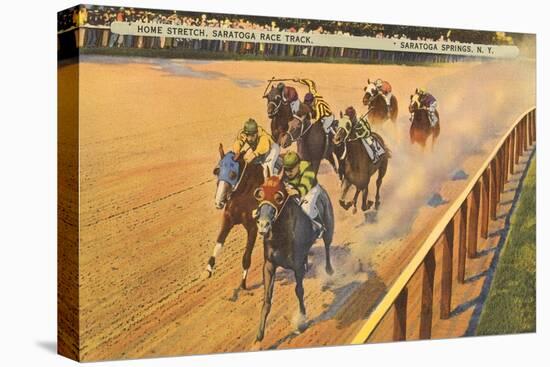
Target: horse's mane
(246, 170)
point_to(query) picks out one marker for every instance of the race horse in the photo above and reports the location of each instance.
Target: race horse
(358, 167)
(236, 183)
(288, 235)
(421, 128)
(377, 106)
(312, 141)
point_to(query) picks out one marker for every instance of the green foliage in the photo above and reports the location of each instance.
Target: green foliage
(511, 303)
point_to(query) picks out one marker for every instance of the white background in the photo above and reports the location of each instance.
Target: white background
(28, 182)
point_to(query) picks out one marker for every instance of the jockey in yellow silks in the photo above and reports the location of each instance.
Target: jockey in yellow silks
(320, 110)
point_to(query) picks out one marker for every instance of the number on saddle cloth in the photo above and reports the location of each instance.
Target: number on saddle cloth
(229, 169)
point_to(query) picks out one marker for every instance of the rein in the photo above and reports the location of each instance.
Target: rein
(240, 178)
(277, 211)
(302, 131)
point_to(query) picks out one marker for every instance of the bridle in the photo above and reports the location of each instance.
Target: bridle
(303, 130)
(277, 210)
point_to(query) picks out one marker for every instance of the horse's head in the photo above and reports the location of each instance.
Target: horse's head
(415, 102)
(370, 91)
(343, 130)
(271, 198)
(274, 101)
(227, 172)
(295, 130)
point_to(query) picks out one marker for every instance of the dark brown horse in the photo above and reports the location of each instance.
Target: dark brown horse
(421, 128)
(312, 141)
(358, 167)
(236, 184)
(376, 103)
(288, 236)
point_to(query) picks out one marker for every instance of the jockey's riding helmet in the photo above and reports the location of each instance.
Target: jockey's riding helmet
(350, 112)
(290, 160)
(308, 98)
(250, 127)
(378, 83)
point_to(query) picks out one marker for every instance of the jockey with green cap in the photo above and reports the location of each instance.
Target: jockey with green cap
(301, 182)
(256, 143)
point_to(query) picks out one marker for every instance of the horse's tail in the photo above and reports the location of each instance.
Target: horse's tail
(383, 143)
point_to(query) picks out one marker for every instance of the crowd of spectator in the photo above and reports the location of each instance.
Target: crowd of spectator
(94, 22)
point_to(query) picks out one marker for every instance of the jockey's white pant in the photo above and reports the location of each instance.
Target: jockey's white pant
(387, 97)
(309, 202)
(327, 122)
(431, 114)
(270, 160)
(295, 106)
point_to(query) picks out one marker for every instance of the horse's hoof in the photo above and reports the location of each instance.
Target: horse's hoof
(206, 274)
(243, 284)
(377, 205)
(354, 210)
(329, 270)
(259, 336)
(369, 204)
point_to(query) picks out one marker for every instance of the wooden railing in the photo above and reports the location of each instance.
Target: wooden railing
(473, 208)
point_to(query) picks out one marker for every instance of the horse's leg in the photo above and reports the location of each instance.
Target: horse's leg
(299, 289)
(269, 280)
(366, 206)
(226, 228)
(381, 174)
(251, 231)
(345, 189)
(328, 240)
(355, 197)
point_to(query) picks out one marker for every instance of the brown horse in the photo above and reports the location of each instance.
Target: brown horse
(312, 142)
(288, 236)
(236, 184)
(421, 128)
(358, 167)
(376, 103)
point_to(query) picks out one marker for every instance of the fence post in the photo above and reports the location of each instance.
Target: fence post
(473, 219)
(502, 179)
(462, 242)
(512, 151)
(485, 204)
(518, 144)
(506, 158)
(426, 311)
(447, 270)
(493, 186)
(400, 316)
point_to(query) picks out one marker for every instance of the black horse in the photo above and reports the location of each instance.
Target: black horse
(288, 235)
(421, 128)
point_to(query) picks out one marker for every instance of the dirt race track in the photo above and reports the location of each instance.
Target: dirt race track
(149, 131)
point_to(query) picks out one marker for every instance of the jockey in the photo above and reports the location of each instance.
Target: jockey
(363, 131)
(290, 95)
(428, 102)
(384, 88)
(320, 110)
(255, 142)
(301, 182)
